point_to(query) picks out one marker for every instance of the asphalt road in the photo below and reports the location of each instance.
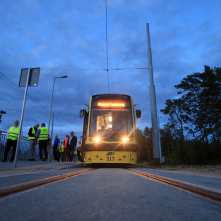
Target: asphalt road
(106, 194)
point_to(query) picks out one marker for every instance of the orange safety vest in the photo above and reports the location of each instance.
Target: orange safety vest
(65, 143)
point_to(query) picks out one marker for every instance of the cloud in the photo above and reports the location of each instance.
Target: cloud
(67, 37)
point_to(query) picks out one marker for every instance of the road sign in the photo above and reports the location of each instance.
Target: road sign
(33, 79)
(28, 77)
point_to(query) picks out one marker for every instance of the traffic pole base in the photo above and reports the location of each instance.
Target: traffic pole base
(156, 162)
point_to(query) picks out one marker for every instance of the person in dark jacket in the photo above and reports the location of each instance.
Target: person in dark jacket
(55, 148)
(31, 136)
(49, 148)
(71, 146)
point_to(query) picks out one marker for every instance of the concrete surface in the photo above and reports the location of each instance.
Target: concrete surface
(26, 177)
(106, 194)
(202, 180)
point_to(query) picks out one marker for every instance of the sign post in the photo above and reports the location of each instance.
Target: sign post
(30, 80)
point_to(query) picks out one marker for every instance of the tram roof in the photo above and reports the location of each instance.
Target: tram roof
(110, 96)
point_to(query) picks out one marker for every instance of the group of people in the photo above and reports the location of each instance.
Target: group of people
(67, 150)
(64, 151)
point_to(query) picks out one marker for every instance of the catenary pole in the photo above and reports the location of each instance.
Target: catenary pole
(22, 116)
(156, 150)
(161, 160)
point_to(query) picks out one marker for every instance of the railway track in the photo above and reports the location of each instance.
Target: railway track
(207, 193)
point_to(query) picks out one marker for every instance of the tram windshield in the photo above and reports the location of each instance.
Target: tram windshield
(111, 124)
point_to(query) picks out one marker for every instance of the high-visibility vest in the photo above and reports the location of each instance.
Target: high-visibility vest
(75, 152)
(13, 134)
(61, 149)
(65, 142)
(80, 154)
(43, 133)
(33, 131)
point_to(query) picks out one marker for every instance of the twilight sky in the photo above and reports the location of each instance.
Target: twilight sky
(69, 38)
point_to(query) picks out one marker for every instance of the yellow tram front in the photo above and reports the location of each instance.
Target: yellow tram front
(109, 130)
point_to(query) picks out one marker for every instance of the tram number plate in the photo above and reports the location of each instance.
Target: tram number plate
(110, 158)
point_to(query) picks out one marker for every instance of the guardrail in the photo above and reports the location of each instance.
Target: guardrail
(23, 151)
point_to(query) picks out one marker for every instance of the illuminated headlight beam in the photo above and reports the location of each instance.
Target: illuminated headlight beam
(125, 139)
(96, 139)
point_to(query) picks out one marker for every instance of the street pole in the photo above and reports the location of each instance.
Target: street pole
(22, 116)
(51, 107)
(52, 101)
(156, 152)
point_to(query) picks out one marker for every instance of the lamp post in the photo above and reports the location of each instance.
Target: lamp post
(52, 101)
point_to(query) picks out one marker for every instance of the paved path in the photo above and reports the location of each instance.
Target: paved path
(198, 179)
(216, 174)
(106, 194)
(7, 168)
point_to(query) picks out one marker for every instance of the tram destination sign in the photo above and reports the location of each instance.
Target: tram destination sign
(101, 104)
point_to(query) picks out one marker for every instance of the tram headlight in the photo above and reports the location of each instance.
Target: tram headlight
(125, 139)
(96, 139)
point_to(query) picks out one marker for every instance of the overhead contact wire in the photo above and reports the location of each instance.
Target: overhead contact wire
(75, 69)
(32, 99)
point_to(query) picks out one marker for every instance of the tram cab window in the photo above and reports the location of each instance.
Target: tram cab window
(106, 122)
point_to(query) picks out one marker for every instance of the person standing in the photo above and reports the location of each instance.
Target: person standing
(49, 148)
(61, 150)
(12, 140)
(65, 148)
(79, 154)
(55, 147)
(75, 155)
(42, 136)
(71, 146)
(31, 136)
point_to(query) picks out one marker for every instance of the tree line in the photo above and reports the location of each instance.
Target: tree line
(192, 134)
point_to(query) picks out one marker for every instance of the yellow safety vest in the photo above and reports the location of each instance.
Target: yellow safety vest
(33, 131)
(43, 133)
(75, 152)
(13, 134)
(61, 149)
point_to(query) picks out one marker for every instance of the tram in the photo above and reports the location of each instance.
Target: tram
(109, 130)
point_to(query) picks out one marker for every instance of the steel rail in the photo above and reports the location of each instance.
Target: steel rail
(213, 194)
(27, 185)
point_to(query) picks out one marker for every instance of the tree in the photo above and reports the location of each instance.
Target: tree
(141, 142)
(196, 112)
(177, 116)
(148, 143)
(201, 97)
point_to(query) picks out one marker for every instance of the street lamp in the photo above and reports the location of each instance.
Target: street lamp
(52, 101)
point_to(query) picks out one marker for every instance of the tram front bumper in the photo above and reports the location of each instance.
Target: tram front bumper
(126, 157)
